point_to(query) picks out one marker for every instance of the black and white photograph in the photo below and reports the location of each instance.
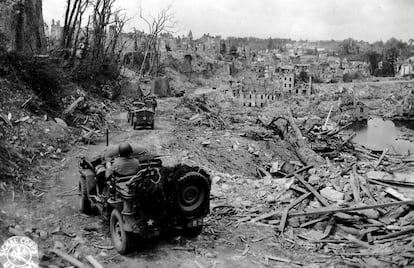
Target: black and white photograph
(206, 134)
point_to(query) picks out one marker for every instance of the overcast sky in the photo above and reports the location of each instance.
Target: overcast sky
(369, 20)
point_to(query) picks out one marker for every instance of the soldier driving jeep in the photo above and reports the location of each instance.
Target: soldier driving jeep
(124, 164)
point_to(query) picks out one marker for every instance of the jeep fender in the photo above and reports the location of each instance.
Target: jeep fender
(89, 176)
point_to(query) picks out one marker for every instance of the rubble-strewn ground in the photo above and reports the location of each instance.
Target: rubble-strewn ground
(209, 128)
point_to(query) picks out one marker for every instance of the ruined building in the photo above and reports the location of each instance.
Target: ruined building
(56, 32)
(21, 26)
(288, 83)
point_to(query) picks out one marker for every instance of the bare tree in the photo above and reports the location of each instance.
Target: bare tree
(119, 19)
(102, 11)
(73, 18)
(163, 22)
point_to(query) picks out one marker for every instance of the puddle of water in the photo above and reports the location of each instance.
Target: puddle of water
(379, 134)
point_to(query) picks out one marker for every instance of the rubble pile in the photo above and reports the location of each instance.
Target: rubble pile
(357, 207)
(207, 112)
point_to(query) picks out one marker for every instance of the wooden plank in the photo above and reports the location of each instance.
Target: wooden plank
(313, 191)
(297, 188)
(306, 224)
(26, 102)
(357, 241)
(329, 228)
(369, 238)
(355, 185)
(68, 258)
(73, 106)
(396, 234)
(286, 211)
(384, 152)
(327, 118)
(329, 210)
(93, 261)
(394, 193)
(264, 216)
(298, 171)
(332, 210)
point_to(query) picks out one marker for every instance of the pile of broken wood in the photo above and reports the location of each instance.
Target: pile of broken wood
(207, 112)
(361, 214)
(90, 116)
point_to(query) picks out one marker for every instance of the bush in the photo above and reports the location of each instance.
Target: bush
(348, 77)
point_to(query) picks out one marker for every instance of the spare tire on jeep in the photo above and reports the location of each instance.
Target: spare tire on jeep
(191, 194)
(187, 189)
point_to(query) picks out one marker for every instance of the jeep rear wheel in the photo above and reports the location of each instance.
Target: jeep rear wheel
(85, 203)
(121, 239)
(192, 193)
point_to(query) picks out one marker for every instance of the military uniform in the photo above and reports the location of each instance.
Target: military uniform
(125, 166)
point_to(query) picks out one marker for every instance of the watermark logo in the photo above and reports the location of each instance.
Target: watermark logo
(19, 252)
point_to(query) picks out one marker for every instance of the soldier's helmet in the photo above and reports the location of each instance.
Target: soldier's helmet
(125, 149)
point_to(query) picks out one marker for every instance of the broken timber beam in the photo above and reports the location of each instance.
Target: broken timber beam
(93, 261)
(384, 152)
(396, 234)
(68, 258)
(73, 106)
(327, 118)
(355, 185)
(298, 171)
(286, 211)
(313, 191)
(329, 210)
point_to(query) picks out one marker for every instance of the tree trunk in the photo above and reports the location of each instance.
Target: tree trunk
(303, 150)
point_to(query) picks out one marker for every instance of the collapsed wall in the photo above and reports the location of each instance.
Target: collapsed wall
(21, 26)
